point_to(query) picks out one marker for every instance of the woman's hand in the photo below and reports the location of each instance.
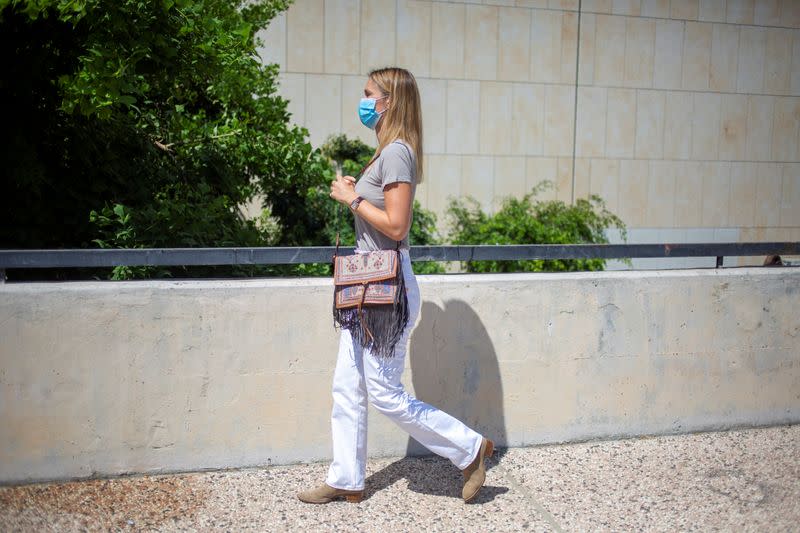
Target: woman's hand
(343, 189)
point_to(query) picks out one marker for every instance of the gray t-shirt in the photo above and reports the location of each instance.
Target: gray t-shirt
(396, 162)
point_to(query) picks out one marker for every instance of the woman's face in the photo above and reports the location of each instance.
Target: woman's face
(371, 90)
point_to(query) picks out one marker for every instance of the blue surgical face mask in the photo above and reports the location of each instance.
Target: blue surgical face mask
(366, 112)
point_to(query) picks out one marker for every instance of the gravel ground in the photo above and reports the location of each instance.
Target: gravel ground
(738, 480)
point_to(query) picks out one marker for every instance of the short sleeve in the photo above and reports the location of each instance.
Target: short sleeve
(397, 163)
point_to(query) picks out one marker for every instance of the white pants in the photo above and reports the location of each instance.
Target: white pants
(361, 378)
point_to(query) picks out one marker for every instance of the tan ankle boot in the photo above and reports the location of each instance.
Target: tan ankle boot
(325, 493)
(475, 473)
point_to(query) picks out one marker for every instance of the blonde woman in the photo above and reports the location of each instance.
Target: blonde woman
(382, 202)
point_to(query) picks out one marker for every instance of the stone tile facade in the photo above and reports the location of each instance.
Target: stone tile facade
(685, 115)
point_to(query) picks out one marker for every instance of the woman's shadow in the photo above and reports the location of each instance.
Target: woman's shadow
(455, 369)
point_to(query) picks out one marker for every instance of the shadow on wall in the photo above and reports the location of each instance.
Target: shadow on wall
(455, 369)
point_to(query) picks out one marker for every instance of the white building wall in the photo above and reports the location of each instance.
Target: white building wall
(688, 111)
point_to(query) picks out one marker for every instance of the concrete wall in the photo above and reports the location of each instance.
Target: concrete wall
(112, 377)
(688, 111)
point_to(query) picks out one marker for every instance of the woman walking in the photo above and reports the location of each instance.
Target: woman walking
(382, 201)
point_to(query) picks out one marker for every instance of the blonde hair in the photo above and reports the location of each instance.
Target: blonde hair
(403, 117)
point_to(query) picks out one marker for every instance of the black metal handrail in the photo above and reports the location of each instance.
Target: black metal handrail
(69, 258)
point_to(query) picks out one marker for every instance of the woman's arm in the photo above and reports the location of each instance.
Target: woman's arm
(395, 221)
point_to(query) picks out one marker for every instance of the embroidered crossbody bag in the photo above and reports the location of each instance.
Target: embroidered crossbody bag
(369, 297)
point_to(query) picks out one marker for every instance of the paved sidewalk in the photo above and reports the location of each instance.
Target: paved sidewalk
(742, 480)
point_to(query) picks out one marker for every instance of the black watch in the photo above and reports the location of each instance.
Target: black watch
(355, 202)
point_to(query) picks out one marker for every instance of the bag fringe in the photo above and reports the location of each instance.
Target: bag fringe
(385, 322)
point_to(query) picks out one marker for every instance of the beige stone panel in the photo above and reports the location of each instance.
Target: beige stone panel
(632, 196)
(621, 123)
(609, 65)
(790, 13)
(768, 194)
(541, 4)
(777, 69)
(587, 55)
(323, 106)
(342, 37)
(649, 124)
(597, 6)
(567, 5)
(627, 7)
(558, 119)
(463, 122)
(591, 135)
(539, 169)
(569, 46)
(767, 13)
(741, 211)
(740, 11)
(545, 46)
(795, 68)
(444, 184)
(661, 195)
(655, 8)
(712, 11)
(414, 36)
(422, 188)
(604, 181)
(514, 44)
(688, 193)
(668, 54)
(509, 179)
(274, 38)
(481, 43)
(292, 87)
(733, 127)
(678, 125)
(496, 116)
(639, 52)
(564, 180)
(705, 126)
(759, 127)
(790, 195)
(697, 56)
(582, 169)
(447, 40)
(527, 119)
(724, 55)
(684, 9)
(785, 128)
(433, 96)
(716, 193)
(305, 23)
(378, 34)
(352, 92)
(477, 179)
(752, 50)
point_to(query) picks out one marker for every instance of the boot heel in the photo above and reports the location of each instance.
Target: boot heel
(489, 448)
(354, 498)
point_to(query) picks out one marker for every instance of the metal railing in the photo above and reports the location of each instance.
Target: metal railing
(75, 258)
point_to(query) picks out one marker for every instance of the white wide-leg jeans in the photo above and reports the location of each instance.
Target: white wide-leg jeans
(361, 378)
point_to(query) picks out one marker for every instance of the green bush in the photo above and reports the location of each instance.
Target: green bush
(161, 111)
(528, 221)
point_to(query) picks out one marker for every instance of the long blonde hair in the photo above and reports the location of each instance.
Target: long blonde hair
(403, 118)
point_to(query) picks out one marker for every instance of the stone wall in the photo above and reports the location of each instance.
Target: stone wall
(105, 378)
(687, 110)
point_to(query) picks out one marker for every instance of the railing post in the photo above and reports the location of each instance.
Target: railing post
(719, 261)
